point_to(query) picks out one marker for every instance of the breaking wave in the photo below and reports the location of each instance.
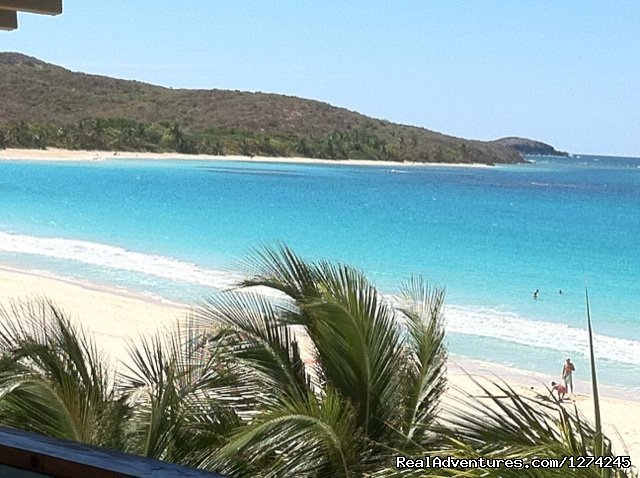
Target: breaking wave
(473, 321)
(516, 329)
(114, 257)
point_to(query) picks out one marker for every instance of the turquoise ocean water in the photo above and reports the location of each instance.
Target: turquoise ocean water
(175, 229)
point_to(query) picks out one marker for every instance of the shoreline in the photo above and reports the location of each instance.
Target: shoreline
(110, 316)
(620, 413)
(114, 316)
(533, 380)
(62, 155)
(461, 364)
(93, 287)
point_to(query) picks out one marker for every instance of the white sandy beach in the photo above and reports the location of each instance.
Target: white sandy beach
(54, 154)
(620, 411)
(111, 316)
(114, 316)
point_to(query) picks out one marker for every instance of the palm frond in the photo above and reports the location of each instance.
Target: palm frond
(301, 438)
(426, 357)
(257, 337)
(58, 384)
(279, 268)
(501, 423)
(598, 443)
(177, 387)
(358, 341)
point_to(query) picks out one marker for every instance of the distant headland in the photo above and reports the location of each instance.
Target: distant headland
(530, 147)
(47, 106)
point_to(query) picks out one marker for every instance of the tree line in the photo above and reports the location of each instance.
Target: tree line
(134, 136)
(130, 135)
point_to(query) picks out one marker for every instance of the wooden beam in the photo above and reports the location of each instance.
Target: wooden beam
(49, 457)
(8, 20)
(47, 7)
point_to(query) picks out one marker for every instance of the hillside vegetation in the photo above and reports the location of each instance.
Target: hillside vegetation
(44, 105)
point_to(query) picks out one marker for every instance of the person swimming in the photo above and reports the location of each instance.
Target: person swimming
(535, 293)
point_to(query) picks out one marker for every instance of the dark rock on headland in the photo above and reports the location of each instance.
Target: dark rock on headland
(529, 146)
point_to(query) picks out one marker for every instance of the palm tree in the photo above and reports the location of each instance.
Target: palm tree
(53, 380)
(372, 381)
(179, 143)
(4, 138)
(96, 134)
(303, 370)
(174, 386)
(371, 387)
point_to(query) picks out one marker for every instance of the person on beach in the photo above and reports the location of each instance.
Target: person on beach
(561, 389)
(567, 374)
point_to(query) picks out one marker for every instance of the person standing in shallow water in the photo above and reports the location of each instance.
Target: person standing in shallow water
(567, 374)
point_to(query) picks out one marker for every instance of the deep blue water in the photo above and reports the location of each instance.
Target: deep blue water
(490, 235)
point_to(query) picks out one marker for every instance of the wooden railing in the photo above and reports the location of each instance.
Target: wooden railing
(25, 455)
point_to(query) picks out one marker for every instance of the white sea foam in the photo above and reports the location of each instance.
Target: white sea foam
(473, 321)
(513, 328)
(104, 255)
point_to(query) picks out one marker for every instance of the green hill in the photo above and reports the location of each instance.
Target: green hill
(45, 105)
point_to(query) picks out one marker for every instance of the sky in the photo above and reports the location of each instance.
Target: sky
(563, 72)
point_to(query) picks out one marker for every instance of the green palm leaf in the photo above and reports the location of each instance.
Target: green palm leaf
(385, 364)
(177, 387)
(53, 380)
(257, 337)
(426, 360)
(301, 438)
